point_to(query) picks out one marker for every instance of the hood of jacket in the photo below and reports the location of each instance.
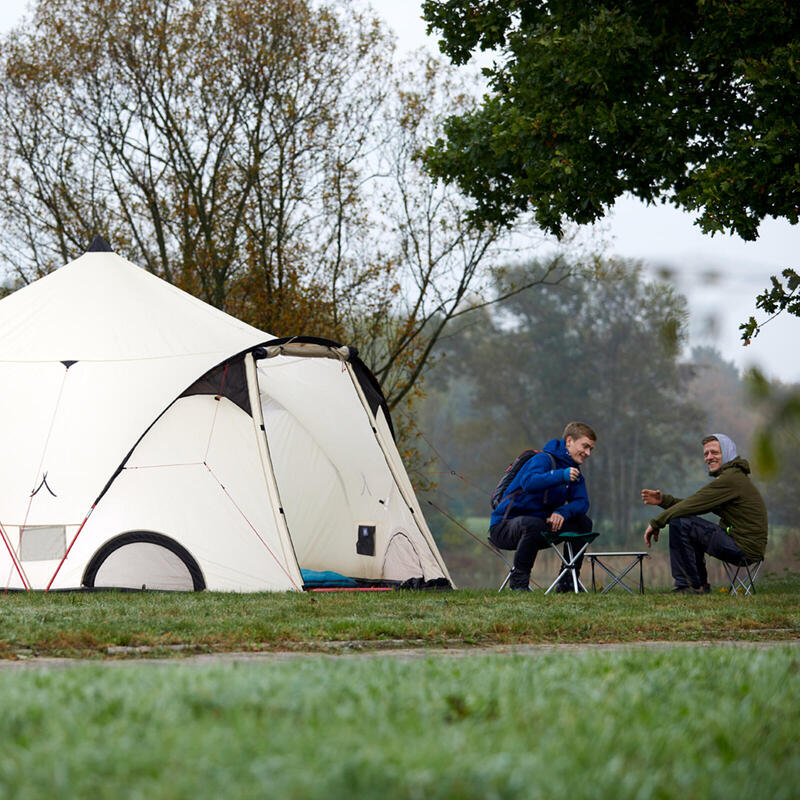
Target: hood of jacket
(737, 463)
(558, 449)
(727, 446)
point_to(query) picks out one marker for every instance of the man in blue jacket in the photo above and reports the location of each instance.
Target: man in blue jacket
(548, 493)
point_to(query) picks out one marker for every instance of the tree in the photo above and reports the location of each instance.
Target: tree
(601, 349)
(688, 102)
(244, 151)
(206, 139)
(442, 266)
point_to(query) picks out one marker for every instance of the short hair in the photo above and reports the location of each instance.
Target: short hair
(577, 429)
(708, 439)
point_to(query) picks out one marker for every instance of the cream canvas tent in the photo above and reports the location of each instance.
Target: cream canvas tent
(150, 440)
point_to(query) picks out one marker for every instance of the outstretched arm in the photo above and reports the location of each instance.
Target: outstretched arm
(652, 497)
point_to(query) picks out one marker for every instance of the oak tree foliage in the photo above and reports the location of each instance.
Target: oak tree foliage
(688, 101)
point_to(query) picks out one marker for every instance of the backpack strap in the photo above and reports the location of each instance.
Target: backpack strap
(517, 491)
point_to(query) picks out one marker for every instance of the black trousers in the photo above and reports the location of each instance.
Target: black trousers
(524, 534)
(690, 538)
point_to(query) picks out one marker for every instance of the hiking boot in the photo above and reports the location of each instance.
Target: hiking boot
(519, 581)
(685, 590)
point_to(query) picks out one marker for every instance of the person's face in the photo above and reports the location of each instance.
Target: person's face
(580, 449)
(712, 455)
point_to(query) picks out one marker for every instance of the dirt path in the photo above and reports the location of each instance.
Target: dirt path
(339, 650)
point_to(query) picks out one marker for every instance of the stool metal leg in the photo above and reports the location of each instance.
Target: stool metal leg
(569, 566)
(508, 564)
(737, 583)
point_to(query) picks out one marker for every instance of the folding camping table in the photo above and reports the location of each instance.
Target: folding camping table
(636, 557)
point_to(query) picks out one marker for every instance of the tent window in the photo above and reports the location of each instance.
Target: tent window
(365, 543)
(42, 543)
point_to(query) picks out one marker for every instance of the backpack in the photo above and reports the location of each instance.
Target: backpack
(511, 472)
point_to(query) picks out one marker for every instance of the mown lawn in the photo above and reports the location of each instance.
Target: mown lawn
(88, 624)
(689, 722)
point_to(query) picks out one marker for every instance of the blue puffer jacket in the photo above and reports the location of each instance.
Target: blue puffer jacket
(536, 476)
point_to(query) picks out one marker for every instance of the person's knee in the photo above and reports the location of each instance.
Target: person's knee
(678, 526)
(578, 524)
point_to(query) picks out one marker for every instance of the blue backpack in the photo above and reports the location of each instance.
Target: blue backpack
(511, 472)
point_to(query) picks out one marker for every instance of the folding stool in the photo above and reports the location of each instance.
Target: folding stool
(570, 540)
(747, 581)
(583, 540)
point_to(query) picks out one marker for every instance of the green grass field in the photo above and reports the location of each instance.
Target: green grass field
(88, 624)
(689, 722)
(664, 722)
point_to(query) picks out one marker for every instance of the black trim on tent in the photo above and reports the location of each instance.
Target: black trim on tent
(99, 245)
(366, 379)
(228, 379)
(368, 382)
(198, 581)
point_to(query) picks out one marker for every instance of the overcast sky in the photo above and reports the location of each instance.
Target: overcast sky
(720, 275)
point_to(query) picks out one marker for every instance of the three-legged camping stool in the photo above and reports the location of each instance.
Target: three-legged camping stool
(574, 544)
(745, 582)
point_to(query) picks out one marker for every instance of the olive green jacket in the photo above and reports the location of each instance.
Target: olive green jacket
(734, 498)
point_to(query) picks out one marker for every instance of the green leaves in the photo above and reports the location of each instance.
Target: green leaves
(779, 297)
(684, 101)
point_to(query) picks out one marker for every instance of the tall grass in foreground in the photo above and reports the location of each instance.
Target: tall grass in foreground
(684, 723)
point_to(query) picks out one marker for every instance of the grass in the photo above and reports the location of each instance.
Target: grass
(88, 624)
(683, 723)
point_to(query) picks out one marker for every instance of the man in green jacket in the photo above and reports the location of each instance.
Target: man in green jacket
(741, 537)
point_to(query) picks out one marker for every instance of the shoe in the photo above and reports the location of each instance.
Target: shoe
(705, 589)
(519, 581)
(685, 590)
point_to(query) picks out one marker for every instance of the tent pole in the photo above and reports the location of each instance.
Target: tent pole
(268, 471)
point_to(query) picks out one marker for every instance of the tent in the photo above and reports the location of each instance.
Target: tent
(153, 441)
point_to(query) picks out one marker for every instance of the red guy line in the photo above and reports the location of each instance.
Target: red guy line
(77, 533)
(252, 527)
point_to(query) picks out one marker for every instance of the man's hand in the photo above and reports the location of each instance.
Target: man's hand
(652, 497)
(555, 521)
(574, 474)
(650, 533)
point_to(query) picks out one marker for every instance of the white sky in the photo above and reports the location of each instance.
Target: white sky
(720, 275)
